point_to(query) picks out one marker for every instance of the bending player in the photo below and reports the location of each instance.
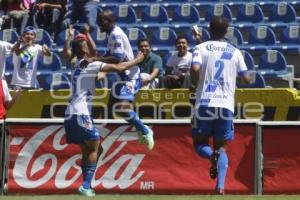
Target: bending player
(78, 122)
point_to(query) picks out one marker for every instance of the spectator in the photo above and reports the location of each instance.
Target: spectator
(49, 15)
(151, 67)
(178, 66)
(6, 100)
(19, 13)
(85, 10)
(5, 50)
(25, 59)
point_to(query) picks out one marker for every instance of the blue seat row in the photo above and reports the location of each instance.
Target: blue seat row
(250, 12)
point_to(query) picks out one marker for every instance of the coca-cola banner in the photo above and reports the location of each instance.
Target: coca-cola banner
(281, 159)
(41, 162)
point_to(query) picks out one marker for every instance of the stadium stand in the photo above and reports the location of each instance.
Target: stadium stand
(261, 38)
(60, 41)
(43, 37)
(248, 60)
(290, 40)
(282, 12)
(154, 14)
(126, 15)
(258, 83)
(191, 39)
(9, 35)
(134, 35)
(163, 38)
(48, 64)
(100, 39)
(248, 15)
(185, 13)
(218, 9)
(234, 36)
(56, 81)
(273, 65)
(256, 27)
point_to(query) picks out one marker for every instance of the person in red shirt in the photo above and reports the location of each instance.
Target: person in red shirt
(6, 100)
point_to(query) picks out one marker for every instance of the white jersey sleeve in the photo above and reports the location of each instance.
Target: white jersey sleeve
(197, 58)
(6, 47)
(39, 49)
(95, 67)
(117, 46)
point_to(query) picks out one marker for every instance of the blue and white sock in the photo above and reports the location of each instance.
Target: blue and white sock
(204, 150)
(88, 171)
(222, 168)
(134, 120)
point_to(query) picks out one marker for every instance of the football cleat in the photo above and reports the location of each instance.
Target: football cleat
(213, 171)
(148, 139)
(86, 192)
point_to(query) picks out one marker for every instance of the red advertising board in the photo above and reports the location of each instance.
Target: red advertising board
(41, 162)
(281, 159)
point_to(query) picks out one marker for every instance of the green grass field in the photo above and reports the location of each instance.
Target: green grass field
(155, 197)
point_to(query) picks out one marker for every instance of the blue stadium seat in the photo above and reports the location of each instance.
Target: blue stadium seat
(290, 39)
(261, 38)
(218, 9)
(113, 1)
(234, 36)
(125, 15)
(134, 35)
(154, 14)
(248, 14)
(100, 39)
(9, 35)
(259, 82)
(60, 40)
(43, 37)
(248, 60)
(48, 64)
(282, 12)
(9, 66)
(172, 1)
(205, 36)
(272, 64)
(185, 13)
(163, 38)
(56, 81)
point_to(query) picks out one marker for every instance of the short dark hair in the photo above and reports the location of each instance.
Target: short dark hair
(143, 40)
(181, 37)
(218, 27)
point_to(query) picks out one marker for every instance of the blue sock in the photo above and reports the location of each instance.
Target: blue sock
(204, 150)
(88, 171)
(222, 168)
(134, 120)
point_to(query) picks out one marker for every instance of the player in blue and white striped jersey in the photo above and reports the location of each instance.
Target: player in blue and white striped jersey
(78, 122)
(215, 66)
(119, 50)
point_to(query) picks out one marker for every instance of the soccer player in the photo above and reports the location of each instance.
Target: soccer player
(215, 65)
(25, 59)
(120, 50)
(78, 122)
